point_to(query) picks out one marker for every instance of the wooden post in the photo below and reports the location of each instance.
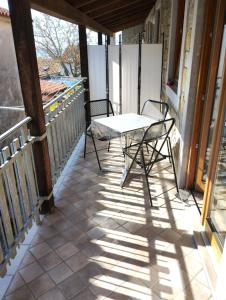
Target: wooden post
(100, 38)
(21, 21)
(84, 65)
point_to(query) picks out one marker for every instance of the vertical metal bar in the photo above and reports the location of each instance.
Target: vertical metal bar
(139, 73)
(163, 41)
(120, 74)
(107, 71)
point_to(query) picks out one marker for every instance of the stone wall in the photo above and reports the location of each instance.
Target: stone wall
(10, 91)
(188, 70)
(131, 35)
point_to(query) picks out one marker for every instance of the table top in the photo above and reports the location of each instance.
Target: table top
(126, 122)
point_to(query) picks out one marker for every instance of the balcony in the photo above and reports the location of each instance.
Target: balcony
(101, 241)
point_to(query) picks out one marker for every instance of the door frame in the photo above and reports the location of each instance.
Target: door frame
(212, 236)
(205, 92)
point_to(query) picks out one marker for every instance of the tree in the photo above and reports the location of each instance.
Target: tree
(59, 40)
(71, 56)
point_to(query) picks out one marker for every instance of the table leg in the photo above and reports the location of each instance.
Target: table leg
(128, 162)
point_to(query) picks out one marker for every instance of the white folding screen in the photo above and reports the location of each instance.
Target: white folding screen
(151, 60)
(97, 71)
(151, 69)
(129, 78)
(113, 68)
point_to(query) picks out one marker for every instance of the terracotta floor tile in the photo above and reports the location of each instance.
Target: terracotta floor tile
(56, 241)
(41, 285)
(31, 272)
(85, 295)
(77, 261)
(72, 286)
(16, 283)
(40, 250)
(21, 294)
(28, 259)
(50, 261)
(60, 273)
(67, 250)
(53, 294)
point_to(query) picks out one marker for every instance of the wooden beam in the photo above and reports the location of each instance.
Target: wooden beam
(124, 15)
(84, 64)
(100, 5)
(118, 27)
(20, 14)
(113, 8)
(126, 20)
(80, 3)
(63, 10)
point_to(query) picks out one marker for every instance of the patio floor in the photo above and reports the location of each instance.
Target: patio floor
(104, 242)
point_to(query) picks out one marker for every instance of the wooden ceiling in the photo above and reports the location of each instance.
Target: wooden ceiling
(106, 16)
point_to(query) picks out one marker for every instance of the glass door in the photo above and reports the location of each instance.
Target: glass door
(212, 96)
(217, 208)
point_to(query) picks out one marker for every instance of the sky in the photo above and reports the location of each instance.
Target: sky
(4, 3)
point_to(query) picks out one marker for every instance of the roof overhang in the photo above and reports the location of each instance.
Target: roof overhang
(99, 15)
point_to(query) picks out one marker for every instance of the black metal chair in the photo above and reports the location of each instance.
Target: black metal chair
(157, 133)
(96, 108)
(156, 109)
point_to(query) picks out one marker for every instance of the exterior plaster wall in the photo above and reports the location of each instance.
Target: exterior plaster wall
(10, 90)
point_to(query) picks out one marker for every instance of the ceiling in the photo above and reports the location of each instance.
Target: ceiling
(101, 15)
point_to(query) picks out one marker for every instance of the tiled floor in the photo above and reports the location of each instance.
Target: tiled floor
(104, 242)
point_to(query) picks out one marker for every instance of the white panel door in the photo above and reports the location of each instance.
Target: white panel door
(129, 78)
(113, 67)
(151, 64)
(97, 71)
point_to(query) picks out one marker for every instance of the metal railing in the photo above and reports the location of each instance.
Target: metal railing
(19, 196)
(65, 124)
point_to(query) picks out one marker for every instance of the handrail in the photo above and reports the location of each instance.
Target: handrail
(14, 128)
(47, 105)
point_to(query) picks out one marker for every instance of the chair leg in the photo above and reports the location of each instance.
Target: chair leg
(109, 144)
(174, 170)
(146, 177)
(95, 150)
(168, 149)
(84, 155)
(147, 148)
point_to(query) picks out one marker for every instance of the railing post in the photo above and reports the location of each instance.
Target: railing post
(100, 42)
(21, 21)
(84, 65)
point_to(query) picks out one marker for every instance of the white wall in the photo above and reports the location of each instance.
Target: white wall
(10, 90)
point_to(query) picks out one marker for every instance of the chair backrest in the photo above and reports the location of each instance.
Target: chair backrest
(156, 109)
(158, 130)
(102, 107)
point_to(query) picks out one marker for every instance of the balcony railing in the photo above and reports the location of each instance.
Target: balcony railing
(65, 124)
(19, 195)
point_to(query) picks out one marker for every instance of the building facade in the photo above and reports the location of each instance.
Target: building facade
(10, 91)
